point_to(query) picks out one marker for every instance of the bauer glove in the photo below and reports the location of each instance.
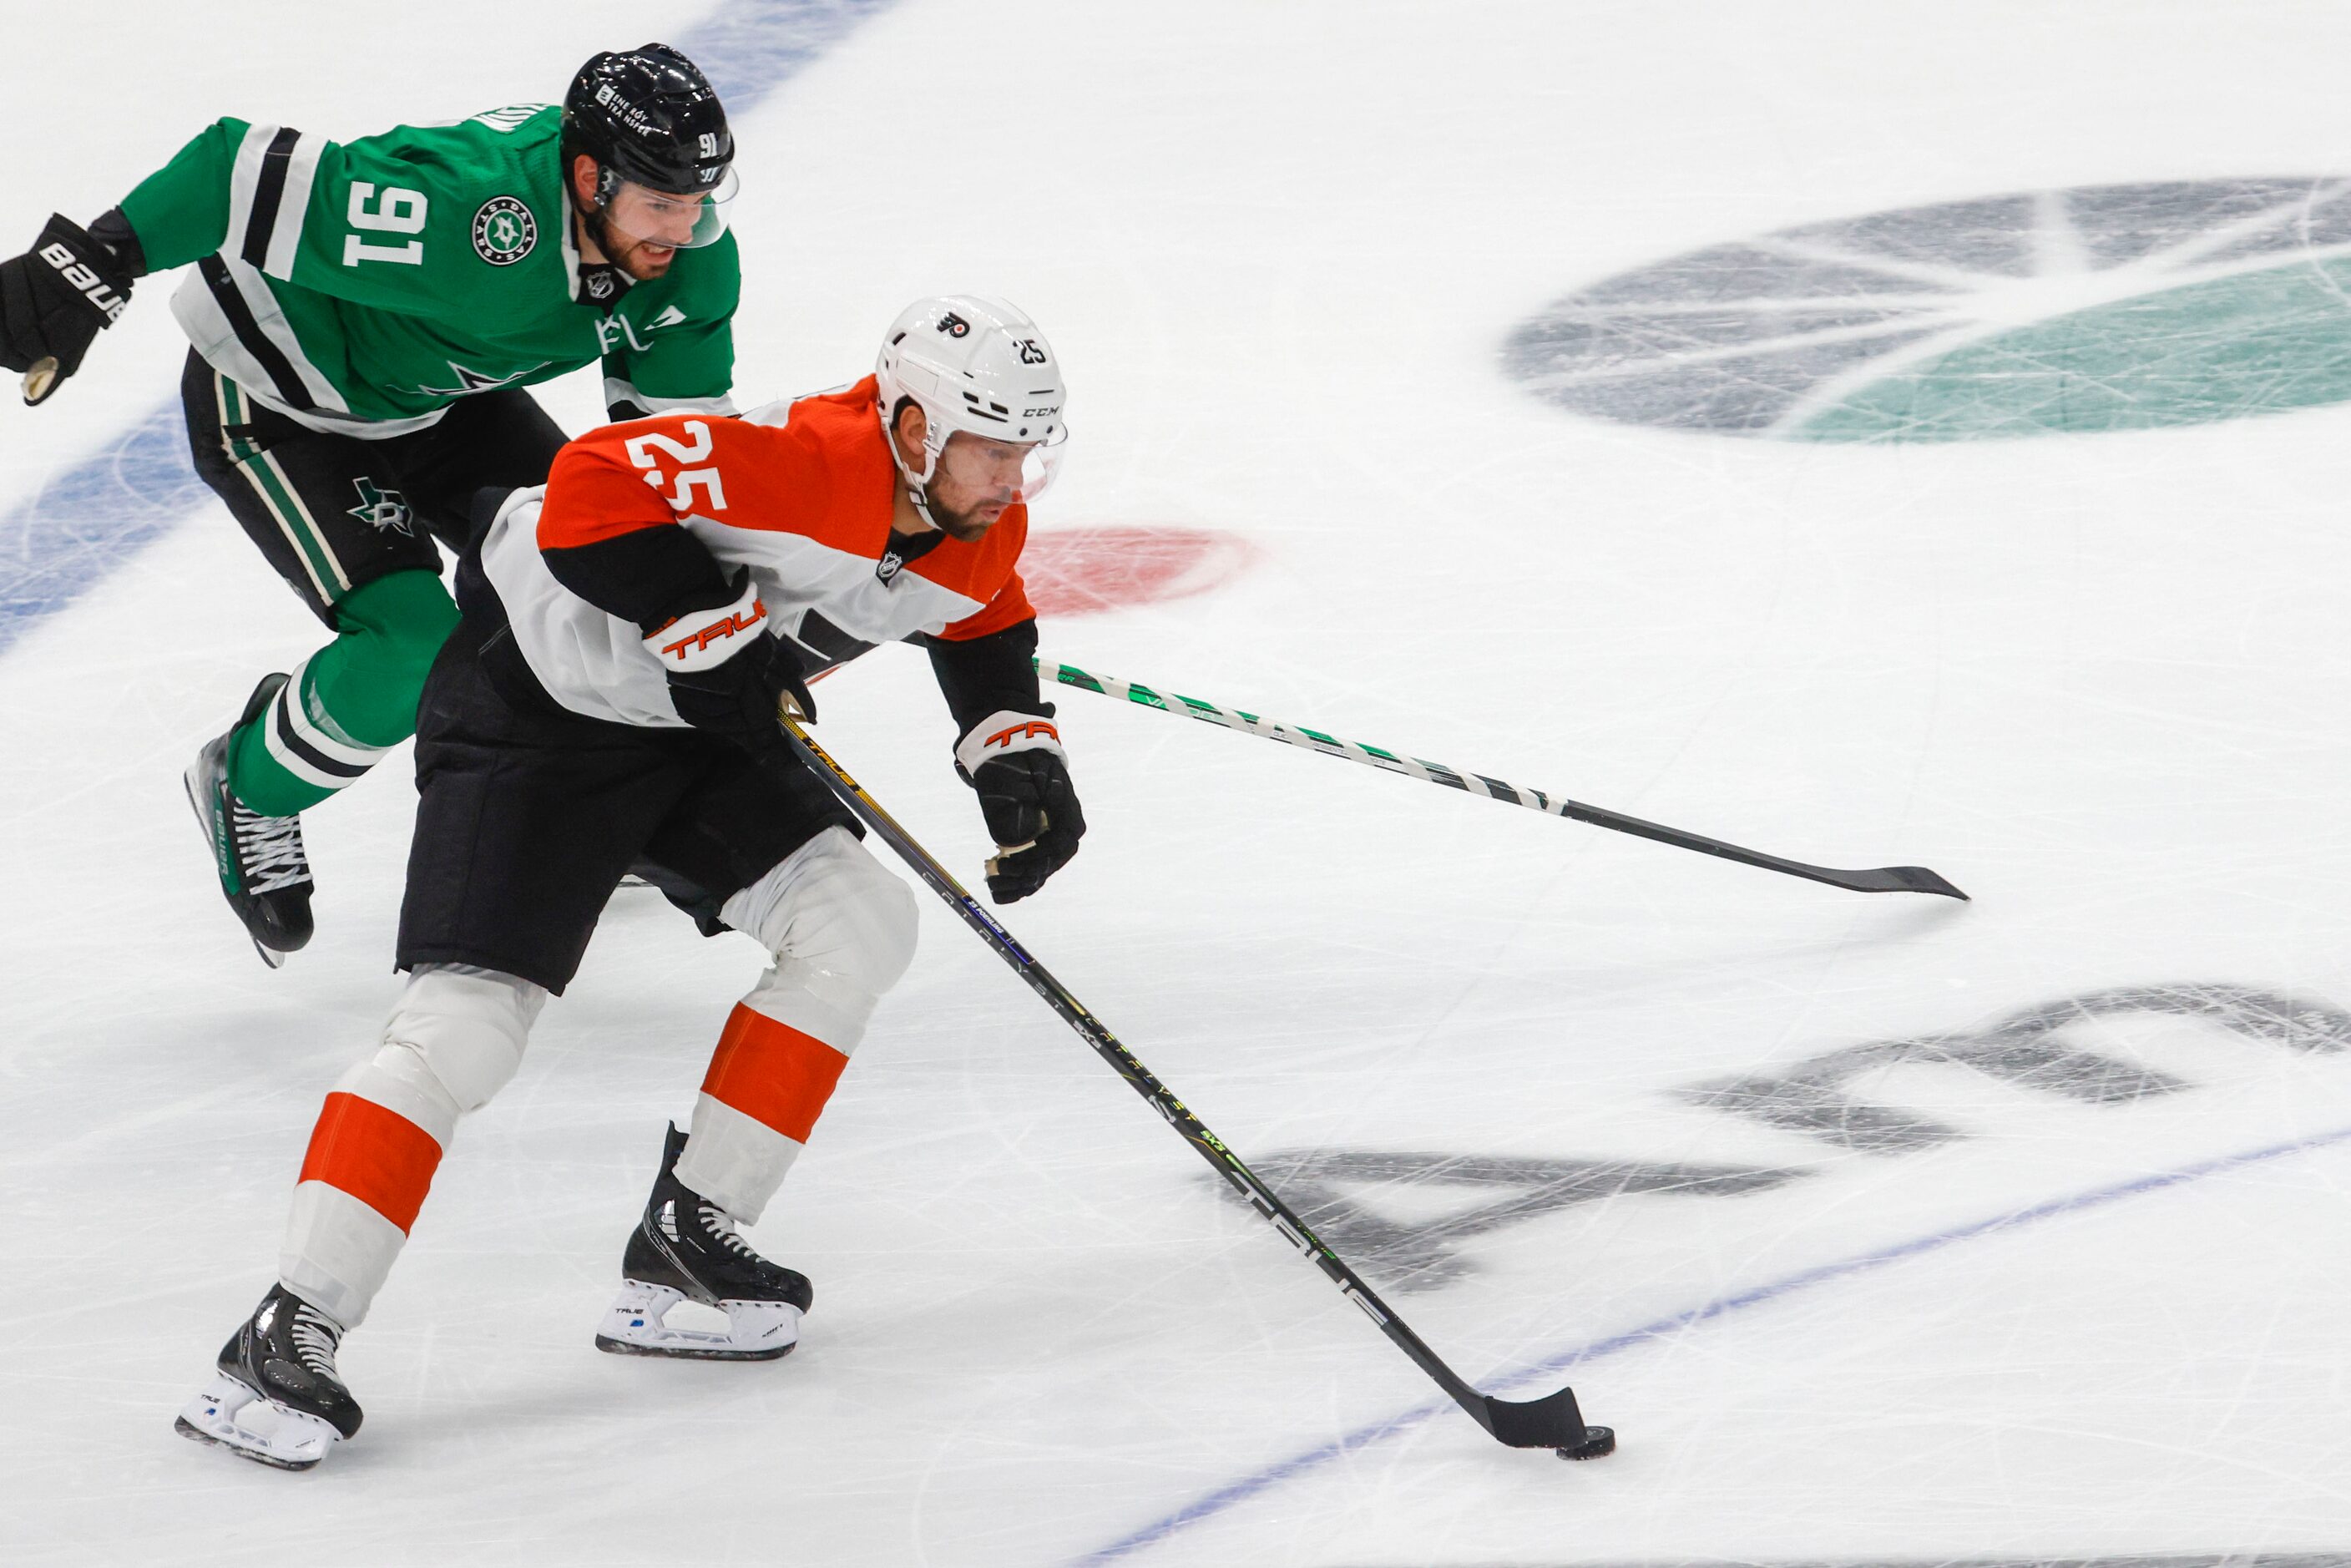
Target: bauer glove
(53, 300)
(727, 674)
(1016, 762)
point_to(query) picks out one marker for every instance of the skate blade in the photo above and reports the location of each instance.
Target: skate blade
(755, 1331)
(300, 1441)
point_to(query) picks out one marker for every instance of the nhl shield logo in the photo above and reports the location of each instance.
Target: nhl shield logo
(504, 231)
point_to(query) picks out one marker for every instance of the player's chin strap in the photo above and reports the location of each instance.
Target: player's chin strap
(917, 485)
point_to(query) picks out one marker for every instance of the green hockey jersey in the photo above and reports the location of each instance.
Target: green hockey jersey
(362, 287)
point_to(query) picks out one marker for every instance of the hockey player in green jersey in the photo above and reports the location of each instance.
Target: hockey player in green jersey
(364, 317)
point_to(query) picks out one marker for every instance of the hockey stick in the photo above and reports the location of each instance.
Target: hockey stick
(1880, 879)
(1553, 1422)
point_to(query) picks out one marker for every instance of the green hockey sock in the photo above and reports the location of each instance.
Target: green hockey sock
(347, 704)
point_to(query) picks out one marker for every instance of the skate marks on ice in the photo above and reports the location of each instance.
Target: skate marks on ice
(2098, 307)
(1351, 1195)
(94, 515)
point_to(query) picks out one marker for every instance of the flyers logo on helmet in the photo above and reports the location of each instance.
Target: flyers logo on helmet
(954, 326)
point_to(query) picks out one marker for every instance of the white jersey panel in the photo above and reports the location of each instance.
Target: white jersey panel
(596, 665)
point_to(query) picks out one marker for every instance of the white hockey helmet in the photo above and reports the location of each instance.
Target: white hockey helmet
(980, 367)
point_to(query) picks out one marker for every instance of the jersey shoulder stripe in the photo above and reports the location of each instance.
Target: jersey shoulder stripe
(269, 191)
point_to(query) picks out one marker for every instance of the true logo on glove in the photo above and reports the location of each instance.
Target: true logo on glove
(91, 286)
(694, 642)
(1032, 728)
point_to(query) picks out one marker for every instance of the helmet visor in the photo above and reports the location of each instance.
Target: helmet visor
(679, 222)
(1002, 472)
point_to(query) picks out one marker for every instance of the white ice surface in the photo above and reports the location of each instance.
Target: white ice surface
(2100, 682)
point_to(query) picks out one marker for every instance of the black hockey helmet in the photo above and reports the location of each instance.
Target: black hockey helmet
(649, 115)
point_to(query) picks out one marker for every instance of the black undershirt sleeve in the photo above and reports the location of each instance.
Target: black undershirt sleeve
(113, 231)
(648, 576)
(989, 674)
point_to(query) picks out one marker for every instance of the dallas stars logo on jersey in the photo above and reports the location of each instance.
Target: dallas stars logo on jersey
(386, 511)
(504, 231)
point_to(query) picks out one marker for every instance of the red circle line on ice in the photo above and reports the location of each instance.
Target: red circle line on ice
(1084, 571)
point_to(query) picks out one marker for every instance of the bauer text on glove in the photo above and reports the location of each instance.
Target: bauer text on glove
(53, 300)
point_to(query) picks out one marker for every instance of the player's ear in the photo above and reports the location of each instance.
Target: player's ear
(910, 427)
(583, 179)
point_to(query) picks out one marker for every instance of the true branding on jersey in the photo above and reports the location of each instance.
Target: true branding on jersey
(85, 282)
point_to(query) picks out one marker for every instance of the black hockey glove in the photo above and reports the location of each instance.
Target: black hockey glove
(1016, 762)
(53, 300)
(727, 674)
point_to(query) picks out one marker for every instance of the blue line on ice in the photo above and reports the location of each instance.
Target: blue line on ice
(1235, 1493)
(121, 499)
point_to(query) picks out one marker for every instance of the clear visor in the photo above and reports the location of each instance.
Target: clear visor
(664, 218)
(1000, 471)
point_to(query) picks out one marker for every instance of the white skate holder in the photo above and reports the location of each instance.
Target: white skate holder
(636, 1325)
(294, 1441)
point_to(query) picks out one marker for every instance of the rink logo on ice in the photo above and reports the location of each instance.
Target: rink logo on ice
(1374, 1206)
(2099, 307)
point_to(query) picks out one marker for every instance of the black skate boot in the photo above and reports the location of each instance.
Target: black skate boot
(263, 871)
(685, 1248)
(282, 1356)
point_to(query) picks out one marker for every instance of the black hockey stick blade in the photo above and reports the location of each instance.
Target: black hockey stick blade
(1554, 1422)
(1877, 878)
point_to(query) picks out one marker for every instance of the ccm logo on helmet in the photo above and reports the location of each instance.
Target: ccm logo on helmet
(1028, 731)
(91, 285)
(694, 642)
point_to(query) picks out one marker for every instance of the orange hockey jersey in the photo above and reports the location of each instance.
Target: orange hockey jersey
(801, 493)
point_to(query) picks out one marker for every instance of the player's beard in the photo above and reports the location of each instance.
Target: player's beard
(625, 252)
(963, 525)
(641, 267)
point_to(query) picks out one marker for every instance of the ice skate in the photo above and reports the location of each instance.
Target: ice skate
(282, 1358)
(686, 1250)
(264, 873)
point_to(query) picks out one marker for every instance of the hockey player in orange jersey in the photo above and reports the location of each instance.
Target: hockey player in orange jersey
(608, 700)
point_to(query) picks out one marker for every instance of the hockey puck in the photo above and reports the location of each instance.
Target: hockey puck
(1599, 1442)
